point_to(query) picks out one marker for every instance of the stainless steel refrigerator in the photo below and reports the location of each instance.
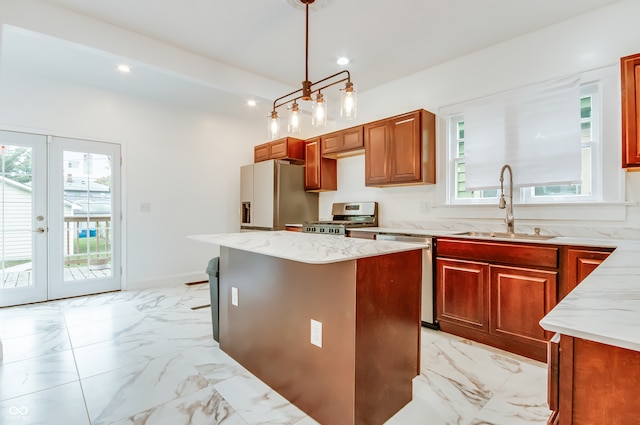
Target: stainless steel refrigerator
(272, 195)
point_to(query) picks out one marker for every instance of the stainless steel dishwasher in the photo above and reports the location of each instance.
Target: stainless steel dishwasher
(427, 314)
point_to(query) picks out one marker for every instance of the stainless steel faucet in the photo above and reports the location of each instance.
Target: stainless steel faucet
(510, 221)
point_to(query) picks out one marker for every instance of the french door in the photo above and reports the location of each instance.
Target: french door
(59, 217)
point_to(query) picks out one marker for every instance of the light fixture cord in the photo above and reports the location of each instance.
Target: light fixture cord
(306, 51)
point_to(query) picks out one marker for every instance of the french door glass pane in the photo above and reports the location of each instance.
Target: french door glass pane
(16, 216)
(87, 215)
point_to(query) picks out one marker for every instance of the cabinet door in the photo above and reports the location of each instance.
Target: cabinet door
(579, 263)
(376, 164)
(261, 152)
(312, 164)
(352, 139)
(320, 174)
(630, 79)
(278, 149)
(405, 149)
(462, 293)
(331, 143)
(520, 298)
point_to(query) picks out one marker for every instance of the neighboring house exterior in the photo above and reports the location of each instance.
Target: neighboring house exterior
(16, 220)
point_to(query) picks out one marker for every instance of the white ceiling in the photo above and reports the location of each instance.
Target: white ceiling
(385, 40)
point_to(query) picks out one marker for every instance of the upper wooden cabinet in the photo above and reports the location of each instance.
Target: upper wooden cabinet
(343, 143)
(630, 78)
(320, 174)
(286, 148)
(401, 150)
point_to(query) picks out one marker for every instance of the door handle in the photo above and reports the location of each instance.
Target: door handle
(39, 230)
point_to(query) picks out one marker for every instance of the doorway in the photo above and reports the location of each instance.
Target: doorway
(60, 221)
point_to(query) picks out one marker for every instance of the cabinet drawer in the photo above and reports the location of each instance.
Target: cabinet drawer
(497, 252)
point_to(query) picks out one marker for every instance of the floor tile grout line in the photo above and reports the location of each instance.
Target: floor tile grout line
(75, 362)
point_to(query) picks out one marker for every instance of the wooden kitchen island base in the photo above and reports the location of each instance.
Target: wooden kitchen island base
(370, 314)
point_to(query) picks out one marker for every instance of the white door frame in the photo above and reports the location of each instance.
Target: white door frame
(58, 287)
(37, 289)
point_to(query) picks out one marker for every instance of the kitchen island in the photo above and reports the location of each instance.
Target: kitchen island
(331, 323)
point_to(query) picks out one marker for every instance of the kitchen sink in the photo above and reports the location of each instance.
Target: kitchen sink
(506, 235)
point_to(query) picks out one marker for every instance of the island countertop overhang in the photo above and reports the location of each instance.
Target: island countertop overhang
(306, 247)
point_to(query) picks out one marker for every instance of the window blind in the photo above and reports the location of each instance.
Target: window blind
(535, 129)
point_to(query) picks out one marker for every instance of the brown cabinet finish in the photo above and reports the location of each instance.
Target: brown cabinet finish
(630, 79)
(261, 152)
(286, 148)
(598, 383)
(520, 298)
(343, 143)
(516, 254)
(400, 150)
(497, 292)
(578, 264)
(370, 314)
(462, 288)
(320, 174)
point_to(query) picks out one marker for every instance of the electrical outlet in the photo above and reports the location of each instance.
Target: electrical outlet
(425, 207)
(234, 296)
(316, 333)
(145, 207)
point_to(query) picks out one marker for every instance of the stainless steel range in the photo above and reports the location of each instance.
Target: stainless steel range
(346, 215)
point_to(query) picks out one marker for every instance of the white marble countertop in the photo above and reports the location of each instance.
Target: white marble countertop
(605, 307)
(306, 247)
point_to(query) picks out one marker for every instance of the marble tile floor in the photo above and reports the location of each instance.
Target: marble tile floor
(146, 358)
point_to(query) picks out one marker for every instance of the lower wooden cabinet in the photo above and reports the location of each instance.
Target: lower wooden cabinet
(594, 383)
(481, 298)
(462, 288)
(578, 263)
(520, 298)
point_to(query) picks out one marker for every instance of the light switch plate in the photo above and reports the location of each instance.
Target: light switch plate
(234, 296)
(316, 333)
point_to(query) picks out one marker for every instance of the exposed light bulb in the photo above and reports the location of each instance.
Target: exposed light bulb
(319, 112)
(348, 106)
(274, 125)
(294, 119)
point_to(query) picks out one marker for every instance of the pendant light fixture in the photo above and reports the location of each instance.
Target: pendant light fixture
(319, 107)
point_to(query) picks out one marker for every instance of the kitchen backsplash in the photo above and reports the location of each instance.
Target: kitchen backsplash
(546, 229)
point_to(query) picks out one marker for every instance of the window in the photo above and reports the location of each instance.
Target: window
(590, 155)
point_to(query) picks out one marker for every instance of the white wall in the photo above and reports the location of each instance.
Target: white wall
(584, 43)
(184, 162)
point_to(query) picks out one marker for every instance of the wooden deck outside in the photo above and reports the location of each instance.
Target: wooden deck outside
(23, 278)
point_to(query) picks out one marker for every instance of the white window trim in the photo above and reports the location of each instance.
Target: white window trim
(610, 183)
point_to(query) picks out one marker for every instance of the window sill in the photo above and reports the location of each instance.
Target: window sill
(583, 211)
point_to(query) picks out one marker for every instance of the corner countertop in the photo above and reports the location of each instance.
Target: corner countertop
(605, 307)
(306, 247)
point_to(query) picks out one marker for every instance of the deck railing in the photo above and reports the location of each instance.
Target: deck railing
(87, 240)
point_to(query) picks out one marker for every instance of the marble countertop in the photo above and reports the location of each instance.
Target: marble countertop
(306, 247)
(605, 307)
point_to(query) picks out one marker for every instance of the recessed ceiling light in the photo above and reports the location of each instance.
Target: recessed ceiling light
(124, 68)
(342, 61)
(251, 102)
